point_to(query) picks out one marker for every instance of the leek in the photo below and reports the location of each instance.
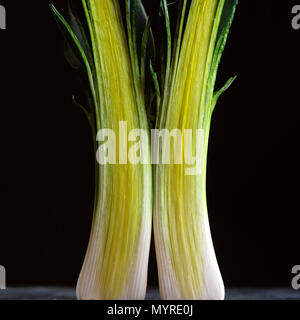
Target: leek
(187, 263)
(115, 65)
(115, 265)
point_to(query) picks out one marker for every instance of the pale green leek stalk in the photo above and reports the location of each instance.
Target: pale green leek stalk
(116, 262)
(187, 263)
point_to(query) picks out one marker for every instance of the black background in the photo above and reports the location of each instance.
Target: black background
(46, 180)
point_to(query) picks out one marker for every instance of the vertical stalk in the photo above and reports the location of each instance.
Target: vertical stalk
(116, 261)
(187, 264)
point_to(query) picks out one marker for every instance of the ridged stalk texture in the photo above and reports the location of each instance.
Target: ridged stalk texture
(115, 266)
(187, 263)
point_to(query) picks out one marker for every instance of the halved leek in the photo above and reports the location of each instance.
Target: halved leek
(115, 266)
(187, 264)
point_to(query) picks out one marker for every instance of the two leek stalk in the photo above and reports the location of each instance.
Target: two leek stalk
(116, 262)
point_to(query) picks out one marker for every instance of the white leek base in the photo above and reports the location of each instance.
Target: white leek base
(213, 287)
(88, 286)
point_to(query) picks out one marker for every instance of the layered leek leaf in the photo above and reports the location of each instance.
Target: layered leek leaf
(115, 266)
(187, 264)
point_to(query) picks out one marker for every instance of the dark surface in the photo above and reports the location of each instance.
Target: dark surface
(63, 293)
